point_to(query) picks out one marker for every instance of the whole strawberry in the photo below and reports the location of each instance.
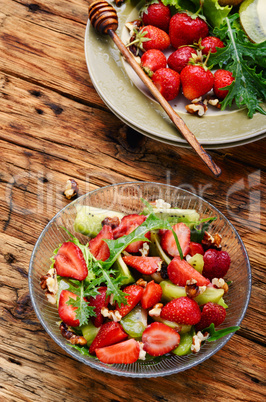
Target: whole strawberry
(184, 30)
(211, 313)
(156, 14)
(222, 78)
(210, 43)
(150, 37)
(182, 310)
(196, 81)
(180, 58)
(153, 60)
(216, 263)
(168, 82)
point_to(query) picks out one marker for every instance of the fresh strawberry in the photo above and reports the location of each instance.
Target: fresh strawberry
(152, 294)
(159, 339)
(195, 248)
(211, 313)
(222, 78)
(184, 30)
(216, 263)
(98, 247)
(153, 60)
(69, 262)
(168, 242)
(180, 271)
(98, 302)
(156, 14)
(145, 265)
(111, 332)
(127, 225)
(120, 353)
(67, 312)
(134, 295)
(196, 81)
(182, 311)
(180, 58)
(210, 43)
(168, 82)
(150, 37)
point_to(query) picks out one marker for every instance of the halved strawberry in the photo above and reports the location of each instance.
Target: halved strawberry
(195, 248)
(211, 313)
(152, 294)
(180, 271)
(159, 339)
(67, 312)
(127, 225)
(111, 332)
(134, 294)
(182, 311)
(100, 301)
(98, 247)
(69, 262)
(121, 353)
(168, 241)
(145, 265)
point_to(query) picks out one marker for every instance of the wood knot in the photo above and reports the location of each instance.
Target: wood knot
(103, 16)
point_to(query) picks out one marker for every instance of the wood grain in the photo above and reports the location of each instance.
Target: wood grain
(54, 126)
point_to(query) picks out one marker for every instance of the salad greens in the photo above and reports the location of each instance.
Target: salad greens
(217, 334)
(246, 61)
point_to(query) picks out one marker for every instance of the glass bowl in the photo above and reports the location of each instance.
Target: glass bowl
(125, 198)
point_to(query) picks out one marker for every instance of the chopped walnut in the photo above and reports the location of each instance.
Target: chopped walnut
(213, 101)
(198, 108)
(49, 283)
(71, 336)
(141, 282)
(156, 310)
(145, 249)
(220, 283)
(113, 315)
(71, 189)
(197, 340)
(142, 352)
(113, 222)
(192, 289)
(210, 241)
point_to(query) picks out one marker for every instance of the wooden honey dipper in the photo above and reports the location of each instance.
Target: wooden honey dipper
(104, 19)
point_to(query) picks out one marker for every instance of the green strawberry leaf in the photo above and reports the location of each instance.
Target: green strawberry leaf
(214, 335)
(242, 58)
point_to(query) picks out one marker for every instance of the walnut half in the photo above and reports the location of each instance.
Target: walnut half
(197, 107)
(71, 336)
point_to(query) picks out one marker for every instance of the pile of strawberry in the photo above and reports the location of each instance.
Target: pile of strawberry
(188, 39)
(112, 344)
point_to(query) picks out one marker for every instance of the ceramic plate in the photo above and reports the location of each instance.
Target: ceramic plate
(122, 91)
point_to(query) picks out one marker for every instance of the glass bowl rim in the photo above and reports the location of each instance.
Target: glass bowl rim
(108, 369)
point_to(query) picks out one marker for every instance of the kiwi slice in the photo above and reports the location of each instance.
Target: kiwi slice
(89, 219)
(210, 295)
(171, 291)
(252, 14)
(89, 332)
(184, 346)
(135, 322)
(123, 270)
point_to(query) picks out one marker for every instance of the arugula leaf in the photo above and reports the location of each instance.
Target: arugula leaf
(197, 234)
(219, 333)
(240, 56)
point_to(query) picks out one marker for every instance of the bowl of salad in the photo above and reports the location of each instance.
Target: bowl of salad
(140, 279)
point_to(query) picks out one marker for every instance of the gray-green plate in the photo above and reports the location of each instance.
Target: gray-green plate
(121, 90)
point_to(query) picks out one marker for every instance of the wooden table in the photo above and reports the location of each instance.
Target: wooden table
(53, 127)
